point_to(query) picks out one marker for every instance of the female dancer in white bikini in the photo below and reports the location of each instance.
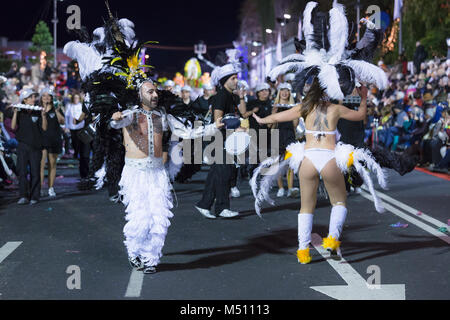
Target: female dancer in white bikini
(321, 119)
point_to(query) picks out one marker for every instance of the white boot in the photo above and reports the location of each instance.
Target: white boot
(305, 222)
(332, 243)
(337, 220)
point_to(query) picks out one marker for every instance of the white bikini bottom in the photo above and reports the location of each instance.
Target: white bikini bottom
(319, 157)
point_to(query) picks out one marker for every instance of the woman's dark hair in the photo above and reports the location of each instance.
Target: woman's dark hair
(51, 102)
(313, 98)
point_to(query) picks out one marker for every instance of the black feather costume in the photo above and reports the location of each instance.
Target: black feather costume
(111, 75)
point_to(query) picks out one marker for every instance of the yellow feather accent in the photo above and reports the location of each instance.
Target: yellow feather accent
(350, 160)
(287, 155)
(133, 62)
(303, 256)
(115, 59)
(121, 74)
(330, 243)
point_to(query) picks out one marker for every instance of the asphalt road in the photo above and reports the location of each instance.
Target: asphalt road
(72, 247)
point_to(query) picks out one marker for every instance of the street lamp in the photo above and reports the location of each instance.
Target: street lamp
(285, 20)
(358, 18)
(269, 31)
(55, 22)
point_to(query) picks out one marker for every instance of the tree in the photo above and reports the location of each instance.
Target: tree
(428, 22)
(42, 39)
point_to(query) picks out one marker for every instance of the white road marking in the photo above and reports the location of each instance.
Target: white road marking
(407, 217)
(357, 287)
(135, 284)
(412, 210)
(8, 248)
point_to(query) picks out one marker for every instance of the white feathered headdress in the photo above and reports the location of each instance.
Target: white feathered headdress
(233, 67)
(329, 56)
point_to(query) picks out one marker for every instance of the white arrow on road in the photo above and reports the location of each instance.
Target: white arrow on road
(357, 287)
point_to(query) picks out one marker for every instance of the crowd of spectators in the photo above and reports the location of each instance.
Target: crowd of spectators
(412, 114)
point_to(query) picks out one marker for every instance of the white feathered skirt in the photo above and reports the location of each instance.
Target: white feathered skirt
(346, 156)
(146, 192)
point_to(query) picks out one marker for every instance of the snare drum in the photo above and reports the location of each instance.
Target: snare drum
(231, 121)
(237, 143)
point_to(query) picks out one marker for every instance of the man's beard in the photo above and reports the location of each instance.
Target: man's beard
(150, 103)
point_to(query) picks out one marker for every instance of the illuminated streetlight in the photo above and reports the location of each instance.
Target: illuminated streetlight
(269, 31)
(287, 16)
(253, 54)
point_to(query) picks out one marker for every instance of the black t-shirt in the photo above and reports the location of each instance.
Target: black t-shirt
(52, 137)
(201, 106)
(29, 129)
(265, 110)
(352, 132)
(226, 101)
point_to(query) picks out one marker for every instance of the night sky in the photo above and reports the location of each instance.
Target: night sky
(172, 23)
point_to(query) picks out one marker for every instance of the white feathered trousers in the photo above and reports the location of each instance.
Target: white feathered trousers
(145, 188)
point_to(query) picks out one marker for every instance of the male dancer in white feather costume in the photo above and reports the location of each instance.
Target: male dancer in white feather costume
(115, 79)
(334, 67)
(145, 184)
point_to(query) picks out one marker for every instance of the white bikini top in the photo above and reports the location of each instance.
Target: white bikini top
(319, 134)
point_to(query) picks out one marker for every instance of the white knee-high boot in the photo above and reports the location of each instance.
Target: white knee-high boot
(337, 219)
(305, 223)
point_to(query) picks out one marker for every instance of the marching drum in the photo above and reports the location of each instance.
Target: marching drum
(231, 121)
(237, 143)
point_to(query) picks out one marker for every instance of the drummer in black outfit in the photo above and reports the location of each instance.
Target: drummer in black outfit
(51, 139)
(218, 182)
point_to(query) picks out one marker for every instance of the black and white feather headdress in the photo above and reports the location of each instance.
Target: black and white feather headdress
(329, 55)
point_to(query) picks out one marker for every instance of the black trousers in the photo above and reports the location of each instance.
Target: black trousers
(217, 187)
(28, 156)
(83, 151)
(234, 176)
